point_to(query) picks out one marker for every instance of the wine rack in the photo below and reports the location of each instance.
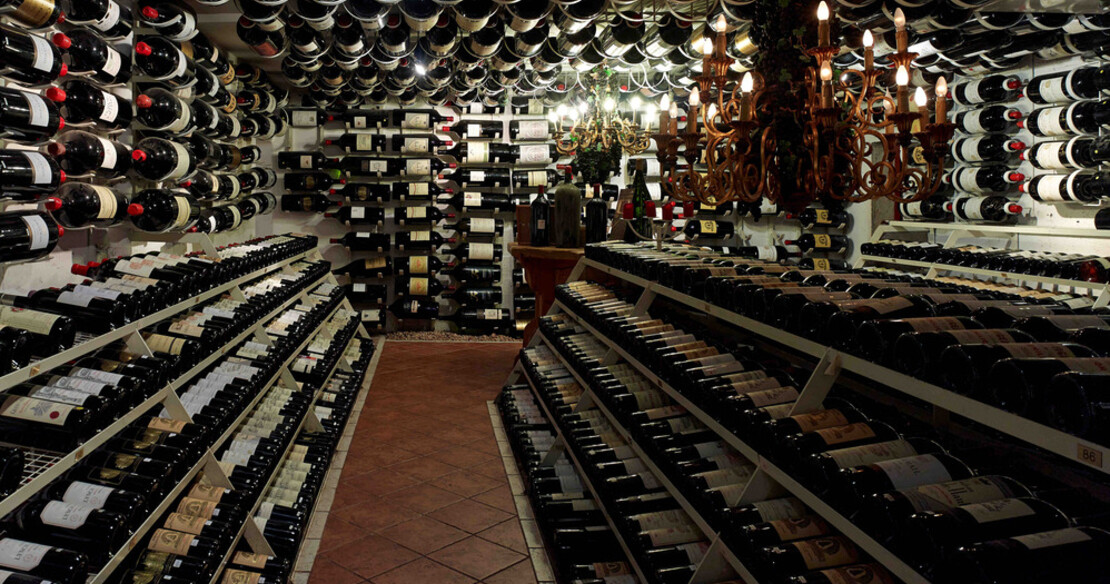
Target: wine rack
(962, 231)
(588, 399)
(249, 530)
(41, 474)
(828, 365)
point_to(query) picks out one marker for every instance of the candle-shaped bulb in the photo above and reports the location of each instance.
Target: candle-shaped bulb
(665, 103)
(899, 19)
(552, 116)
(695, 98)
(706, 46)
(920, 98)
(942, 87)
(721, 23)
(902, 78)
(574, 115)
(635, 102)
(561, 110)
(822, 11)
(868, 39)
(747, 83)
(711, 111)
(673, 111)
(609, 104)
(826, 71)
(583, 106)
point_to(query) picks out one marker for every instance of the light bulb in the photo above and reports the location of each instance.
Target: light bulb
(650, 111)
(706, 46)
(635, 102)
(822, 11)
(920, 98)
(552, 116)
(899, 19)
(561, 110)
(673, 111)
(609, 104)
(942, 87)
(902, 78)
(747, 83)
(711, 111)
(868, 39)
(582, 107)
(574, 115)
(826, 71)
(665, 103)
(695, 98)
(721, 23)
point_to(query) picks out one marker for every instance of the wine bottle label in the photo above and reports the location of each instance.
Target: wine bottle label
(770, 397)
(112, 61)
(418, 286)
(417, 236)
(415, 145)
(94, 496)
(171, 542)
(98, 375)
(44, 54)
(535, 154)
(365, 143)
(1052, 187)
(858, 574)
(40, 168)
(971, 92)
(417, 212)
(184, 523)
(473, 131)
(735, 475)
(1049, 155)
(824, 552)
(861, 455)
(240, 577)
(165, 344)
(673, 536)
(418, 166)
(1054, 89)
(914, 470)
(29, 320)
(708, 227)
(849, 433)
(250, 560)
(537, 178)
(418, 265)
(21, 555)
(767, 253)
(800, 528)
(820, 419)
(1055, 538)
(205, 492)
(472, 200)
(477, 152)
(1036, 350)
(532, 130)
(489, 314)
(358, 212)
(481, 251)
(85, 386)
(65, 515)
(38, 114)
(416, 121)
(999, 510)
(661, 519)
(476, 176)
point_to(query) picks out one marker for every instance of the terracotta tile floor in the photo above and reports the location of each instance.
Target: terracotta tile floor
(423, 498)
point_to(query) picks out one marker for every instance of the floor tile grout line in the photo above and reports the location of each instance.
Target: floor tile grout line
(305, 560)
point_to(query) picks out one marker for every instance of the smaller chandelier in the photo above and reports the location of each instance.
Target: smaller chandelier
(596, 122)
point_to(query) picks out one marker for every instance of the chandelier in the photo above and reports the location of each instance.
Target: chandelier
(859, 143)
(596, 122)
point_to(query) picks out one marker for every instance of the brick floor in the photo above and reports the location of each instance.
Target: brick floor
(423, 498)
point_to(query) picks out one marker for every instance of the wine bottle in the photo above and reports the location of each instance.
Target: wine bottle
(476, 252)
(465, 201)
(709, 229)
(80, 204)
(820, 242)
(983, 179)
(27, 117)
(541, 215)
(25, 174)
(54, 564)
(1074, 553)
(79, 153)
(1073, 85)
(29, 59)
(419, 216)
(1081, 117)
(163, 210)
(160, 110)
(831, 218)
(1078, 186)
(992, 208)
(160, 58)
(219, 219)
(158, 159)
(80, 101)
(987, 89)
(86, 52)
(304, 160)
(33, 14)
(986, 148)
(1079, 152)
(364, 241)
(27, 235)
(358, 215)
(992, 118)
(177, 23)
(419, 240)
(97, 532)
(420, 307)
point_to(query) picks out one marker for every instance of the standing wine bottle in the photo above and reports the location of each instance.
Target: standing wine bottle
(25, 174)
(80, 153)
(27, 235)
(27, 117)
(597, 216)
(81, 101)
(80, 204)
(159, 159)
(541, 215)
(567, 213)
(87, 53)
(28, 58)
(163, 210)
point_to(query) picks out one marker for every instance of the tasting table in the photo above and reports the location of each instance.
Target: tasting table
(544, 268)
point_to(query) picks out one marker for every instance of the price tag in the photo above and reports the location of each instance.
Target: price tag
(1088, 455)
